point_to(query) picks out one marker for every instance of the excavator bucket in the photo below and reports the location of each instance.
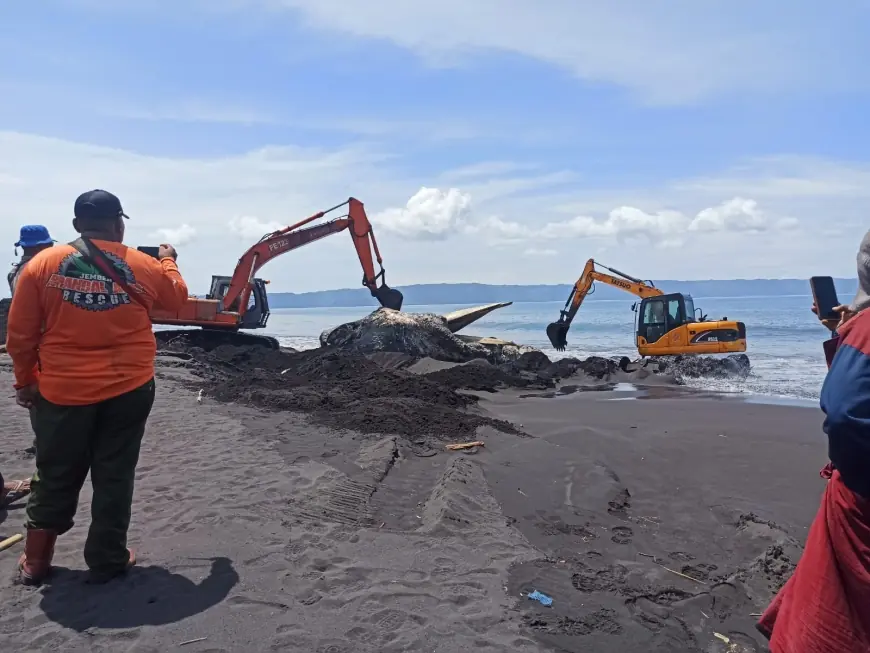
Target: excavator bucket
(557, 332)
(389, 297)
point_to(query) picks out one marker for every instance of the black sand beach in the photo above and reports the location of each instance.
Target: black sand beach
(318, 510)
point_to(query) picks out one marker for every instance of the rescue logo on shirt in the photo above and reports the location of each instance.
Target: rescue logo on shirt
(85, 287)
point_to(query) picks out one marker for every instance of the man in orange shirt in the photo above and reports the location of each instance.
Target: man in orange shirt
(88, 379)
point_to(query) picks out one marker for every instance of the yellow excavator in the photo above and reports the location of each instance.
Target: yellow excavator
(667, 324)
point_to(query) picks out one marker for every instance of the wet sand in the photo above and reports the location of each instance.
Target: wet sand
(260, 529)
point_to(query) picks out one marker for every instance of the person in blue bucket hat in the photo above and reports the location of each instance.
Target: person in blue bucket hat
(33, 239)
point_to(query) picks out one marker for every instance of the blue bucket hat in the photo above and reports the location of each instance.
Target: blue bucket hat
(33, 235)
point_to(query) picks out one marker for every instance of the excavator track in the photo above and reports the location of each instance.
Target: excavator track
(209, 339)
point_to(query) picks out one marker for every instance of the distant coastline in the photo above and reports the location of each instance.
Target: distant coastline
(482, 293)
(479, 293)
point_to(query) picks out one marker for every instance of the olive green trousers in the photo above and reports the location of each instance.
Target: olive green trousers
(102, 439)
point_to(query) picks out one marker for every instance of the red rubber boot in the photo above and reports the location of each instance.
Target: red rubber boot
(35, 564)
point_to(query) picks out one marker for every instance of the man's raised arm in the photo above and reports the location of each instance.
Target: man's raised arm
(171, 289)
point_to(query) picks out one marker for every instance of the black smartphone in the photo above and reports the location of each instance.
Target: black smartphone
(151, 251)
(825, 297)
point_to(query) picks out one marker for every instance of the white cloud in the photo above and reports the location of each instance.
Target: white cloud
(691, 51)
(737, 214)
(177, 236)
(271, 187)
(252, 228)
(220, 112)
(622, 223)
(435, 214)
(535, 252)
(786, 176)
(41, 177)
(663, 228)
(189, 111)
(489, 169)
(430, 214)
(496, 229)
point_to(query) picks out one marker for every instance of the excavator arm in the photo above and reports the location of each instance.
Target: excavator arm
(557, 331)
(289, 238)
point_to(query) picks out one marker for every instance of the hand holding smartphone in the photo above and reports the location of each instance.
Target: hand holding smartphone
(151, 251)
(825, 298)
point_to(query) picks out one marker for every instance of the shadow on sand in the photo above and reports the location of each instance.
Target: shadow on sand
(147, 596)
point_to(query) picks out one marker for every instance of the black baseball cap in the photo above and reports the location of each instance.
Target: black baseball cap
(99, 205)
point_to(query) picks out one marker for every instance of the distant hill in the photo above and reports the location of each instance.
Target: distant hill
(480, 293)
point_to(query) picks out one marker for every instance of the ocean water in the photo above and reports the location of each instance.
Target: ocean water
(784, 338)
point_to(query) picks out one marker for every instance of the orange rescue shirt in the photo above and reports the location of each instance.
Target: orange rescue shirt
(77, 334)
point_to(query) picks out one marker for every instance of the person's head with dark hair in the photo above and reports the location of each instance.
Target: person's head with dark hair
(99, 216)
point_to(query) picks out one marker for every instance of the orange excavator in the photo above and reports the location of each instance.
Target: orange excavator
(240, 301)
(667, 324)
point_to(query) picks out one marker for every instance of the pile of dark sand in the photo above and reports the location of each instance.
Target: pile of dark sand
(378, 391)
(345, 391)
(532, 370)
(731, 366)
(483, 376)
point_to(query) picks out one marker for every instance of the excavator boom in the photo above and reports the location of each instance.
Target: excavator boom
(228, 303)
(296, 235)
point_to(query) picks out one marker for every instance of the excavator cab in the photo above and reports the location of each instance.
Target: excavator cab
(660, 315)
(670, 325)
(257, 314)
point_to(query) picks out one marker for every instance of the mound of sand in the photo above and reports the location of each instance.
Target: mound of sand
(337, 389)
(416, 334)
(532, 370)
(388, 392)
(395, 373)
(731, 366)
(480, 374)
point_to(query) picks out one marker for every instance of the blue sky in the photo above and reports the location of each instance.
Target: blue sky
(491, 141)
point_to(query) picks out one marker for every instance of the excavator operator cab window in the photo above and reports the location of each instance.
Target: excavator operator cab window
(690, 309)
(678, 314)
(652, 324)
(219, 287)
(258, 307)
(674, 318)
